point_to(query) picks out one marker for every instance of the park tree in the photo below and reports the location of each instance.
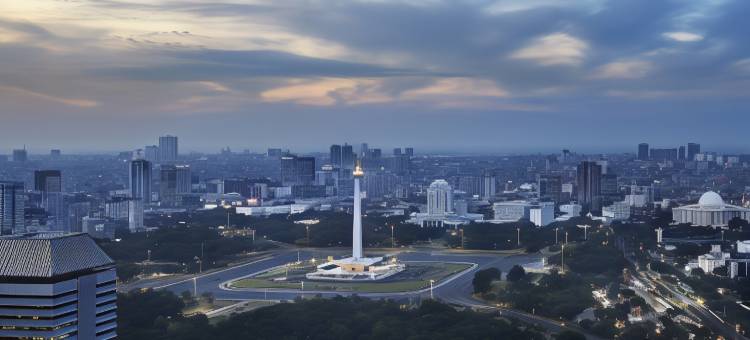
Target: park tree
(516, 273)
(483, 279)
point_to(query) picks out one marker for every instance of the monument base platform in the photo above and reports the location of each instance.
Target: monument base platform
(357, 269)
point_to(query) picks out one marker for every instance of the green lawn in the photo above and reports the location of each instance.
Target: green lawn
(416, 276)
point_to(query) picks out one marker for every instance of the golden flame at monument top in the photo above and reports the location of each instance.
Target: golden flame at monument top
(358, 170)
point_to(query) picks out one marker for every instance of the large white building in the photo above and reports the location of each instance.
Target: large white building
(541, 213)
(439, 198)
(618, 211)
(710, 211)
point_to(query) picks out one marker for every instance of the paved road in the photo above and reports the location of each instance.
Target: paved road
(456, 290)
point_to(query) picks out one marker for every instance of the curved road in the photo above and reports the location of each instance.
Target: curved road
(456, 290)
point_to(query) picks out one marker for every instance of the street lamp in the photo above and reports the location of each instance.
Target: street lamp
(518, 236)
(562, 261)
(462, 237)
(195, 286)
(566, 237)
(556, 228)
(432, 282)
(307, 229)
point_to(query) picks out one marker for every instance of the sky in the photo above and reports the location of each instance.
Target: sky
(474, 75)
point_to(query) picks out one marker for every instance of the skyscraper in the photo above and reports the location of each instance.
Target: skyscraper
(140, 180)
(175, 180)
(47, 181)
(151, 153)
(488, 187)
(589, 185)
(549, 187)
(692, 150)
(168, 148)
(439, 198)
(364, 150)
(397, 151)
(409, 152)
(20, 155)
(643, 152)
(57, 287)
(681, 153)
(11, 208)
(297, 170)
(49, 184)
(347, 157)
(336, 156)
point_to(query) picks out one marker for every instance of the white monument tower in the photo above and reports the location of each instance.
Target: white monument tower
(357, 267)
(357, 226)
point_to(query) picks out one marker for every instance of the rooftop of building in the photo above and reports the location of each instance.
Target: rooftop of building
(49, 255)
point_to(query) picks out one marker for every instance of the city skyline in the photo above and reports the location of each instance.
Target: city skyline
(500, 75)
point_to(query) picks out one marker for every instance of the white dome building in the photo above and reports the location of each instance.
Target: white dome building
(710, 211)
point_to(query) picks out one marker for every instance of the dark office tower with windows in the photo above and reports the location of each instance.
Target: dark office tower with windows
(297, 170)
(376, 153)
(56, 287)
(347, 157)
(140, 180)
(11, 208)
(175, 181)
(55, 153)
(168, 148)
(336, 156)
(409, 152)
(47, 181)
(643, 152)
(397, 151)
(20, 155)
(549, 187)
(589, 177)
(681, 153)
(692, 150)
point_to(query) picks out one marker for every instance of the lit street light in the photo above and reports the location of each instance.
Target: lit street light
(432, 282)
(562, 261)
(566, 237)
(393, 239)
(518, 236)
(556, 235)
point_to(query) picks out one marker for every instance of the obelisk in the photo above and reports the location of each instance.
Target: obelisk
(357, 227)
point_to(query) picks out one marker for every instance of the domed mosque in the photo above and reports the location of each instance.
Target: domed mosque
(710, 211)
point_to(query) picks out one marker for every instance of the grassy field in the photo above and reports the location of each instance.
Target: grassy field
(416, 276)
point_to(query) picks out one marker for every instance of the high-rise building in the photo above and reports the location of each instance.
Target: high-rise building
(273, 153)
(140, 180)
(151, 153)
(297, 170)
(692, 150)
(175, 180)
(20, 155)
(589, 185)
(409, 152)
(643, 152)
(397, 151)
(168, 150)
(56, 287)
(135, 215)
(336, 156)
(488, 187)
(11, 208)
(681, 153)
(49, 184)
(47, 181)
(364, 150)
(549, 187)
(439, 198)
(55, 153)
(347, 157)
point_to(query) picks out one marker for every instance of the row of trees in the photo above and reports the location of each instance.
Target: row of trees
(156, 315)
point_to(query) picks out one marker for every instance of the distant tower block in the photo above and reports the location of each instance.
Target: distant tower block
(357, 227)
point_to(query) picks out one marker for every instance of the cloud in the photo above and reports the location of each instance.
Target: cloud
(624, 69)
(81, 103)
(682, 36)
(456, 87)
(554, 49)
